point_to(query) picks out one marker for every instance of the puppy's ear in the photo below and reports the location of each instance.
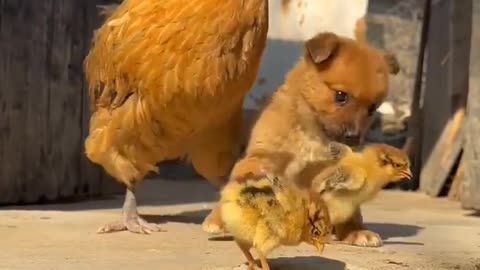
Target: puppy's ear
(392, 63)
(322, 46)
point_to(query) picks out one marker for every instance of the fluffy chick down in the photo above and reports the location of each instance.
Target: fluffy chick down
(266, 212)
(358, 177)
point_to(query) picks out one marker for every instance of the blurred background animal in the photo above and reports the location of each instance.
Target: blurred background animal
(166, 80)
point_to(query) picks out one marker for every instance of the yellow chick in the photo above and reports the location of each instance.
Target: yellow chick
(358, 177)
(263, 212)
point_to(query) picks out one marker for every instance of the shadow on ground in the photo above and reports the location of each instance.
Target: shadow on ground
(391, 230)
(473, 213)
(306, 263)
(188, 217)
(151, 192)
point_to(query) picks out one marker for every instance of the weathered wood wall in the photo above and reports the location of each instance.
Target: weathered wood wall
(44, 110)
(446, 89)
(471, 182)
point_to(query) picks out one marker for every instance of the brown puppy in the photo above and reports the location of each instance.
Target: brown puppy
(329, 95)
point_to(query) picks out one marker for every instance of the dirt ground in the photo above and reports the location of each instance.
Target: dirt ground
(419, 233)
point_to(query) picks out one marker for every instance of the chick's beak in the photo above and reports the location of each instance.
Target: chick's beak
(407, 174)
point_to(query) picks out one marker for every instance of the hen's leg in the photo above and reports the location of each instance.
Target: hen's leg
(130, 221)
(354, 233)
(112, 145)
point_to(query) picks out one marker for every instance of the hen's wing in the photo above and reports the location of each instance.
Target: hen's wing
(165, 49)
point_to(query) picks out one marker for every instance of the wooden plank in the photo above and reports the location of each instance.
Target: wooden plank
(471, 184)
(63, 117)
(24, 156)
(446, 90)
(436, 99)
(13, 111)
(460, 43)
(444, 155)
(455, 192)
(413, 143)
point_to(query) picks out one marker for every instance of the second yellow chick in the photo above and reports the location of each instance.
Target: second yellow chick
(358, 177)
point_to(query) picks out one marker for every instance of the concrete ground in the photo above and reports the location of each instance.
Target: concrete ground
(419, 233)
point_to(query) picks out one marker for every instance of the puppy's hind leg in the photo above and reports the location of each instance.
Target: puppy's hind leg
(213, 156)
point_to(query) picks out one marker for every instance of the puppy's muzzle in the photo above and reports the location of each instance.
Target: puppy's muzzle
(352, 137)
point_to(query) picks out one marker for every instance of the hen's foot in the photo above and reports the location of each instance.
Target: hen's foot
(132, 224)
(363, 238)
(131, 221)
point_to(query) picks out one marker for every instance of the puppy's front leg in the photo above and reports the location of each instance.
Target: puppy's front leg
(353, 232)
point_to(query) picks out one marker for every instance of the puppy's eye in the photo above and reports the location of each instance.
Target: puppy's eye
(341, 98)
(372, 109)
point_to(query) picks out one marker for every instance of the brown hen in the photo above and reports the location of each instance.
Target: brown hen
(167, 79)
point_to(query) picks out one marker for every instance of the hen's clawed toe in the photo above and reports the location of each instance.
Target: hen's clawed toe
(134, 224)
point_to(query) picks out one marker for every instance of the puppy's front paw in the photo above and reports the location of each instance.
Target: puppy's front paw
(337, 150)
(363, 238)
(213, 223)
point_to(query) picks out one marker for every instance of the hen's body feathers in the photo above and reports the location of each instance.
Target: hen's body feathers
(167, 78)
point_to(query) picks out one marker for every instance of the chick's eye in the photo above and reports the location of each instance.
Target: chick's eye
(341, 98)
(397, 166)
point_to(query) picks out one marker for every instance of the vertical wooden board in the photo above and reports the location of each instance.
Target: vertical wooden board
(460, 42)
(42, 101)
(471, 183)
(64, 114)
(13, 116)
(436, 99)
(449, 144)
(24, 30)
(94, 178)
(90, 178)
(36, 21)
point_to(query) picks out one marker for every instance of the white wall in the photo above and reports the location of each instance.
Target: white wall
(291, 26)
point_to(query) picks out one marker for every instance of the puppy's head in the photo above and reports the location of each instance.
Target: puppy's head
(344, 82)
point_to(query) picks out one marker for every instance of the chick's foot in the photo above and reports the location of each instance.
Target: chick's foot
(253, 267)
(363, 238)
(130, 221)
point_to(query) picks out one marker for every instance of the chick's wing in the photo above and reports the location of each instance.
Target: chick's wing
(339, 177)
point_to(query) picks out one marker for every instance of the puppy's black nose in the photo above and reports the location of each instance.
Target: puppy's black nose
(352, 137)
